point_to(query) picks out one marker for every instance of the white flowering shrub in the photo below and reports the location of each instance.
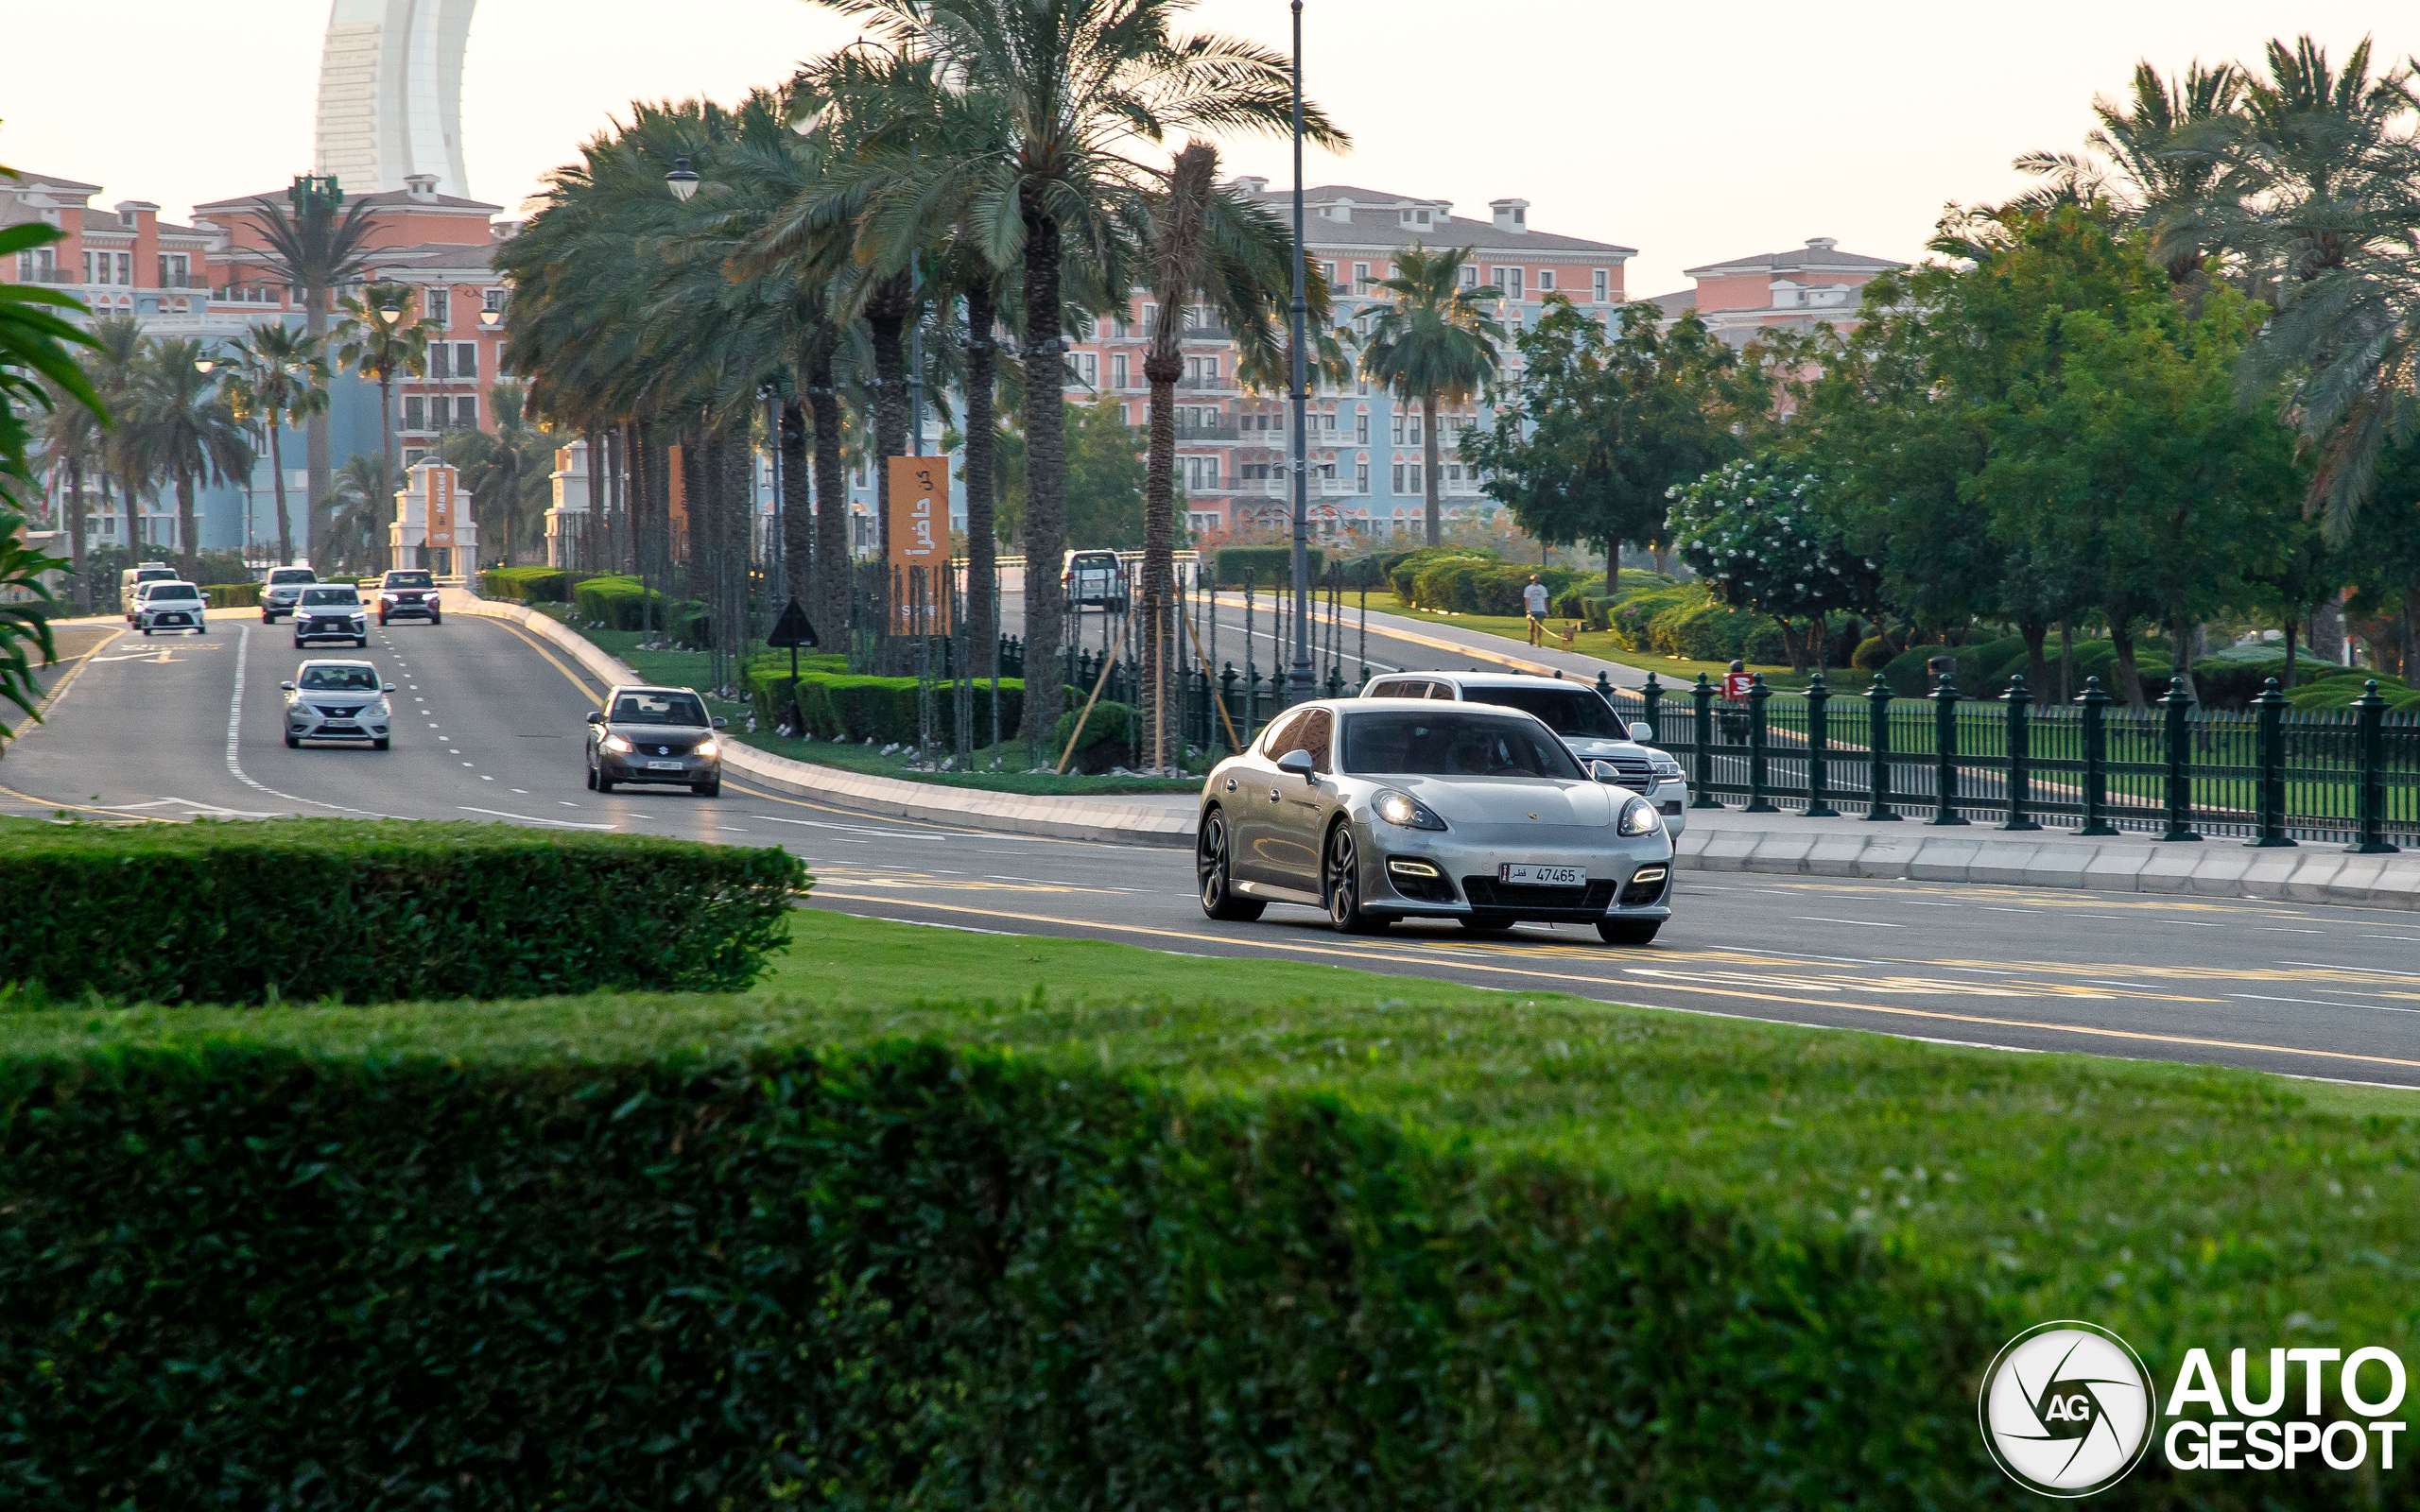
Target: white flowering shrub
(1756, 532)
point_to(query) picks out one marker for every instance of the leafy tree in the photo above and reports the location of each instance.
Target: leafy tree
(510, 473)
(1602, 428)
(1107, 471)
(1756, 531)
(185, 430)
(316, 245)
(35, 338)
(379, 337)
(279, 378)
(362, 501)
(1433, 341)
(2382, 560)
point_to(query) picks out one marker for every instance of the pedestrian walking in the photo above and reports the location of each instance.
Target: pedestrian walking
(1535, 597)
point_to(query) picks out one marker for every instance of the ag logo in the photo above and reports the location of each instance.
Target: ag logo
(2068, 1409)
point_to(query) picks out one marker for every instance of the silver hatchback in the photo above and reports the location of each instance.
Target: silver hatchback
(1373, 810)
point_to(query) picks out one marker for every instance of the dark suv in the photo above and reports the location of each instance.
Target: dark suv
(654, 735)
(410, 594)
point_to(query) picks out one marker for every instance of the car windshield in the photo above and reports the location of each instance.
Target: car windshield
(659, 709)
(330, 595)
(339, 679)
(1452, 744)
(1564, 710)
(409, 580)
(167, 590)
(293, 575)
(154, 575)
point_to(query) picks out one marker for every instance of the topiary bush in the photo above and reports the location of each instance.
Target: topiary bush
(1110, 732)
(1265, 566)
(381, 910)
(828, 702)
(531, 585)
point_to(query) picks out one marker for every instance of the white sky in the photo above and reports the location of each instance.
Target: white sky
(1692, 134)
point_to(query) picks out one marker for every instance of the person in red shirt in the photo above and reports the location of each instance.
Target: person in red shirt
(1734, 704)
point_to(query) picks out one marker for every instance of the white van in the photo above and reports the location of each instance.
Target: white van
(142, 572)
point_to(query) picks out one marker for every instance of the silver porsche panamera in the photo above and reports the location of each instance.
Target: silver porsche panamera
(1375, 810)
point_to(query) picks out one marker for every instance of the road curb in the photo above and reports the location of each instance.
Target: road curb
(1057, 819)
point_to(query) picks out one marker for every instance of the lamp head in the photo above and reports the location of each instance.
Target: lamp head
(682, 179)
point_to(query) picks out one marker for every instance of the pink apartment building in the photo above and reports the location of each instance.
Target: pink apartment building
(1365, 451)
(1797, 290)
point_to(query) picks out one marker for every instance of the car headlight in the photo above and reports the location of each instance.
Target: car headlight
(1638, 818)
(1405, 810)
(707, 747)
(615, 742)
(1667, 771)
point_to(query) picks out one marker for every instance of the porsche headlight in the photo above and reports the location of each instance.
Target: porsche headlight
(1638, 818)
(616, 744)
(1406, 810)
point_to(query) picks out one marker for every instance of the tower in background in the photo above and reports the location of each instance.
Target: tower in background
(390, 94)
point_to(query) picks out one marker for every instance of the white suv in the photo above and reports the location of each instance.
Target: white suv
(330, 611)
(338, 701)
(1574, 710)
(169, 606)
(282, 590)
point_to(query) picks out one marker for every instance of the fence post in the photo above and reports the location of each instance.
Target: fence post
(1944, 753)
(2096, 758)
(1819, 755)
(2268, 804)
(1757, 693)
(1335, 682)
(1877, 750)
(1652, 695)
(2369, 755)
(1227, 697)
(2020, 754)
(2178, 789)
(1703, 693)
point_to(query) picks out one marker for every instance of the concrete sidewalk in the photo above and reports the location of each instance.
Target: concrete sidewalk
(1717, 840)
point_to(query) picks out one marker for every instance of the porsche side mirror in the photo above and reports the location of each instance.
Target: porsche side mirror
(595, 716)
(1644, 734)
(1298, 763)
(1606, 772)
(720, 723)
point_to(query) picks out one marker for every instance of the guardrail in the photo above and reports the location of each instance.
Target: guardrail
(2272, 775)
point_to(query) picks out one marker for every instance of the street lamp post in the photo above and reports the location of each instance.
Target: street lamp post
(1299, 685)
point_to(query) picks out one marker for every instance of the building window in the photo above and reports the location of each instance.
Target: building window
(1361, 477)
(1123, 326)
(1412, 475)
(1604, 282)
(1509, 279)
(441, 359)
(415, 413)
(1545, 281)
(436, 306)
(1414, 418)
(1362, 427)
(1118, 368)
(1151, 318)
(1360, 278)
(1470, 276)
(466, 359)
(1397, 435)
(466, 412)
(1083, 368)
(1327, 271)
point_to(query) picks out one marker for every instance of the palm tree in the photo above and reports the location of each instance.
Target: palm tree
(508, 471)
(1433, 340)
(115, 357)
(316, 245)
(73, 435)
(379, 338)
(278, 378)
(361, 501)
(1203, 242)
(1082, 83)
(186, 431)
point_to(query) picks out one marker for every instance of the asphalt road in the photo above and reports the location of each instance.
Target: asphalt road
(490, 728)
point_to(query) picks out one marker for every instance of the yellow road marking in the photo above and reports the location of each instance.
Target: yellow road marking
(2135, 1036)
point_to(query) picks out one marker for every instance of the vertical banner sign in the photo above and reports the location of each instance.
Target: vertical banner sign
(440, 509)
(920, 542)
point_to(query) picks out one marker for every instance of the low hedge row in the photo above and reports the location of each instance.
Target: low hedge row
(1265, 566)
(372, 911)
(904, 1276)
(530, 585)
(621, 603)
(232, 596)
(840, 705)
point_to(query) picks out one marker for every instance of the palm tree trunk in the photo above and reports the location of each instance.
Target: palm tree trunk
(887, 317)
(982, 528)
(1163, 365)
(386, 457)
(594, 441)
(187, 554)
(1428, 461)
(316, 434)
(797, 511)
(76, 525)
(1045, 510)
(277, 484)
(830, 605)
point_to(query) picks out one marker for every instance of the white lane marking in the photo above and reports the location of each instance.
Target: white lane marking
(523, 791)
(2413, 940)
(2280, 929)
(458, 753)
(485, 777)
(1866, 923)
(2365, 971)
(2197, 923)
(533, 818)
(2322, 1003)
(565, 802)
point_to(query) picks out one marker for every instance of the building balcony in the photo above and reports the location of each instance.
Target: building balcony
(184, 280)
(1217, 384)
(1321, 489)
(1223, 431)
(50, 275)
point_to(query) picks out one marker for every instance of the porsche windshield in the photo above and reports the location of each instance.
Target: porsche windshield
(1452, 744)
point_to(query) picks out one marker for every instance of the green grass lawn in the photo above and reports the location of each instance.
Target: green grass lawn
(2165, 1200)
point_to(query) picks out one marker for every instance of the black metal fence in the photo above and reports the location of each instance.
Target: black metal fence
(2273, 775)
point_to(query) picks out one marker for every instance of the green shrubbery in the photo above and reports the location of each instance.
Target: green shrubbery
(532, 585)
(829, 702)
(1110, 732)
(1267, 566)
(1461, 581)
(904, 1276)
(372, 912)
(232, 596)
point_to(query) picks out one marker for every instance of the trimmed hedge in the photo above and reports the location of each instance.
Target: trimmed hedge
(621, 603)
(375, 911)
(530, 585)
(902, 1277)
(232, 596)
(1110, 732)
(1265, 565)
(839, 705)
